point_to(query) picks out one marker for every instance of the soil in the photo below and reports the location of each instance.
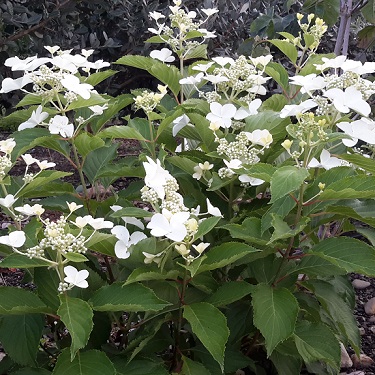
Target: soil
(13, 277)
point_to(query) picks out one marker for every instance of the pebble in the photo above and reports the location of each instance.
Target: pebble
(372, 329)
(372, 319)
(346, 361)
(360, 284)
(363, 360)
(370, 306)
(362, 331)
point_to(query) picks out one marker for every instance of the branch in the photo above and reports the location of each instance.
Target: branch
(22, 33)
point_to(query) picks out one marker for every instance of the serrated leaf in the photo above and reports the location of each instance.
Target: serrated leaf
(224, 254)
(230, 292)
(287, 48)
(199, 52)
(262, 171)
(123, 132)
(102, 243)
(75, 257)
(279, 74)
(340, 312)
(316, 342)
(47, 283)
(136, 297)
(206, 226)
(95, 78)
(29, 99)
(286, 180)
(77, 316)
(20, 336)
(210, 326)
(275, 314)
(191, 367)
(139, 367)
(283, 230)
(15, 301)
(353, 187)
(281, 207)
(86, 143)
(91, 362)
(348, 253)
(95, 99)
(313, 265)
(144, 274)
(250, 231)
(22, 261)
(359, 160)
(132, 212)
(42, 180)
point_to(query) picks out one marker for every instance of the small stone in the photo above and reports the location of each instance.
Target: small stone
(372, 319)
(356, 373)
(362, 331)
(346, 362)
(370, 306)
(363, 360)
(372, 329)
(360, 284)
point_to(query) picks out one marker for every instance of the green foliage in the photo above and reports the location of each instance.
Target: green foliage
(199, 234)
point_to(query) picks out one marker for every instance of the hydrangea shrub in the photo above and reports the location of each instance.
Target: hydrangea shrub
(229, 250)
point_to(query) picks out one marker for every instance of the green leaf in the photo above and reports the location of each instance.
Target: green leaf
(77, 316)
(359, 160)
(132, 212)
(135, 297)
(169, 75)
(41, 181)
(250, 231)
(31, 371)
(262, 171)
(286, 364)
(191, 367)
(123, 132)
(313, 265)
(287, 48)
(199, 52)
(98, 159)
(275, 314)
(225, 254)
(230, 292)
(95, 78)
(144, 274)
(286, 180)
(86, 143)
(281, 207)
(275, 103)
(340, 312)
(29, 99)
(75, 257)
(47, 282)
(102, 243)
(210, 326)
(350, 188)
(91, 362)
(206, 226)
(15, 301)
(348, 253)
(139, 367)
(22, 261)
(279, 74)
(20, 336)
(283, 230)
(95, 99)
(316, 342)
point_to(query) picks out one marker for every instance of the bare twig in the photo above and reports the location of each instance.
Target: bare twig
(20, 34)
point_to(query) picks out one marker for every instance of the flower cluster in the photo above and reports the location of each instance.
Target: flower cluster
(55, 80)
(6, 148)
(183, 32)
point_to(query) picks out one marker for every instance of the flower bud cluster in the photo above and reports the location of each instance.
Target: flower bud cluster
(58, 240)
(148, 100)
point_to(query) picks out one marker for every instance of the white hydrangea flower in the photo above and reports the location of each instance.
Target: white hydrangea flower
(28, 210)
(125, 240)
(60, 125)
(75, 277)
(326, 161)
(37, 117)
(221, 114)
(308, 83)
(8, 201)
(72, 83)
(169, 225)
(251, 110)
(14, 239)
(164, 55)
(156, 176)
(7, 145)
